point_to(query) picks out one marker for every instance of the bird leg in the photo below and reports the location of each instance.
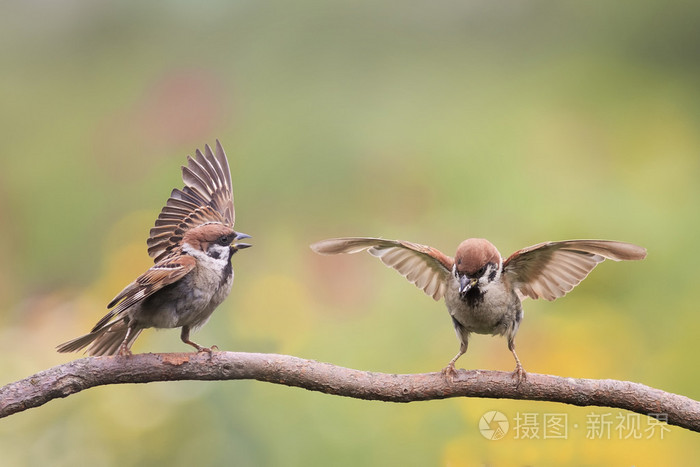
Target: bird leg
(519, 372)
(449, 371)
(185, 337)
(124, 347)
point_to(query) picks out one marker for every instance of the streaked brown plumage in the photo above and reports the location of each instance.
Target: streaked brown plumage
(482, 291)
(192, 244)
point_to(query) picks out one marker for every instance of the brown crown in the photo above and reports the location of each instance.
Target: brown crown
(475, 253)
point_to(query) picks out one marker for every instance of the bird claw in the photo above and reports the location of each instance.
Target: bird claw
(124, 351)
(208, 350)
(449, 372)
(519, 374)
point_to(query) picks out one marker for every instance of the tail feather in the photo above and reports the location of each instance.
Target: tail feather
(78, 343)
(104, 341)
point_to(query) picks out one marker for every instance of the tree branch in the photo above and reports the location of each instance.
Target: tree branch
(75, 376)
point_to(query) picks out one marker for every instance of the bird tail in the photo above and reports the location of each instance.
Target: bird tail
(103, 341)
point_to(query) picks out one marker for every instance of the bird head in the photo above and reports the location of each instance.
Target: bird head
(477, 262)
(218, 241)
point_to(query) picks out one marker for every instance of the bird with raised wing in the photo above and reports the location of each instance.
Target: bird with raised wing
(191, 245)
(484, 292)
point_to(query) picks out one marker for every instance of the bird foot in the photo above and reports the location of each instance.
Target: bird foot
(449, 372)
(520, 375)
(208, 350)
(124, 351)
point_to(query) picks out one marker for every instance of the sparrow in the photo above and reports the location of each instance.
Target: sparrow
(484, 292)
(191, 245)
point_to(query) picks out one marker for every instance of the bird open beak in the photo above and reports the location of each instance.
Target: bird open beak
(465, 284)
(241, 246)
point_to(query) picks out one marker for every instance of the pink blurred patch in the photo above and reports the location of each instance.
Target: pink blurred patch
(183, 108)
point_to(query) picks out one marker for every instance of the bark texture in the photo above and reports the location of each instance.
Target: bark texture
(78, 375)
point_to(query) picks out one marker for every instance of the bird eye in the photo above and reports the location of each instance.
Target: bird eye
(224, 240)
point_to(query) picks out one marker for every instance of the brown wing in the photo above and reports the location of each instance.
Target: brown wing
(166, 272)
(206, 197)
(426, 267)
(550, 270)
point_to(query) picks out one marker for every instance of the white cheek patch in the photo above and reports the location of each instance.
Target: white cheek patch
(219, 252)
(492, 274)
(218, 260)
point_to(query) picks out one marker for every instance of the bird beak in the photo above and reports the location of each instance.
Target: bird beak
(241, 246)
(465, 284)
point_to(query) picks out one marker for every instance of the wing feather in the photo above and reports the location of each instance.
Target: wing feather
(164, 273)
(426, 267)
(550, 270)
(206, 197)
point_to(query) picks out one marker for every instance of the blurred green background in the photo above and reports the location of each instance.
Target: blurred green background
(426, 121)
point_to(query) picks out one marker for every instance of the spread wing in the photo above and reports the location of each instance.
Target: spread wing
(550, 270)
(164, 273)
(426, 267)
(206, 197)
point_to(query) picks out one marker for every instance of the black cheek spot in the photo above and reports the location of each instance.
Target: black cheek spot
(492, 275)
(214, 254)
